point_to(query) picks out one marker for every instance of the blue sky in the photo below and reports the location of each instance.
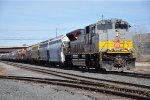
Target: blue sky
(37, 20)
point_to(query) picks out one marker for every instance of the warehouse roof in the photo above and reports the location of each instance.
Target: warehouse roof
(7, 49)
(4, 47)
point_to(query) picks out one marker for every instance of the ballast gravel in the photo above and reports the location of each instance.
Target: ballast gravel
(21, 90)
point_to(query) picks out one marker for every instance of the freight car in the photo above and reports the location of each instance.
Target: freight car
(43, 51)
(52, 51)
(56, 47)
(35, 53)
(106, 45)
(19, 55)
(29, 59)
(24, 54)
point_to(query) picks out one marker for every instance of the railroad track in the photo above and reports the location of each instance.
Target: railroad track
(71, 76)
(111, 87)
(128, 74)
(138, 75)
(102, 88)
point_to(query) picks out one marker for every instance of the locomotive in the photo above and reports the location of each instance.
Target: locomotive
(106, 44)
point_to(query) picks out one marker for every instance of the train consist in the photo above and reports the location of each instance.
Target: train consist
(105, 45)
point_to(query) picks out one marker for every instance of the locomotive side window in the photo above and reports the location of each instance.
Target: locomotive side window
(92, 29)
(121, 26)
(87, 30)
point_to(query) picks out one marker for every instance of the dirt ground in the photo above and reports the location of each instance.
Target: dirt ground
(2, 70)
(142, 67)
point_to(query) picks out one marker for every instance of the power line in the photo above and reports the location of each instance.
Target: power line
(56, 31)
(23, 39)
(52, 29)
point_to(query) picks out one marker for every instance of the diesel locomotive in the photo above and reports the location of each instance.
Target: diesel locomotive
(105, 45)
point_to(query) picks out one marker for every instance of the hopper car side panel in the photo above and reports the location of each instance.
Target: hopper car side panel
(29, 53)
(43, 51)
(35, 53)
(24, 54)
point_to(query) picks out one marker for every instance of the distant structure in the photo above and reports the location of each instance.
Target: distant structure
(7, 49)
(142, 46)
(24, 45)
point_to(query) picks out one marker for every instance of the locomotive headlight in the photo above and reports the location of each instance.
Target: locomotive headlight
(110, 49)
(117, 34)
(129, 49)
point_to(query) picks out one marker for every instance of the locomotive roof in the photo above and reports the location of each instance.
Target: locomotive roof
(113, 20)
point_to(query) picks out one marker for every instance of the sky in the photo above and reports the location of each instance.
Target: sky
(31, 21)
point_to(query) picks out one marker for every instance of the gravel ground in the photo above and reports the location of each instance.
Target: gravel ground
(14, 71)
(106, 76)
(13, 90)
(19, 90)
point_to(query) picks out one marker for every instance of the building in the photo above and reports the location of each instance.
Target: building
(7, 49)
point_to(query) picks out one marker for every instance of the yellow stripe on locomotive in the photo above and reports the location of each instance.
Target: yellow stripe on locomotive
(125, 46)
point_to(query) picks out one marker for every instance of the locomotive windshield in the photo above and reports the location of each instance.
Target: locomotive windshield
(121, 26)
(104, 26)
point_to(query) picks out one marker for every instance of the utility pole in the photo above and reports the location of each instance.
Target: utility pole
(56, 31)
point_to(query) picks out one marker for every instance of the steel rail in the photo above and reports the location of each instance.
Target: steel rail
(102, 88)
(78, 77)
